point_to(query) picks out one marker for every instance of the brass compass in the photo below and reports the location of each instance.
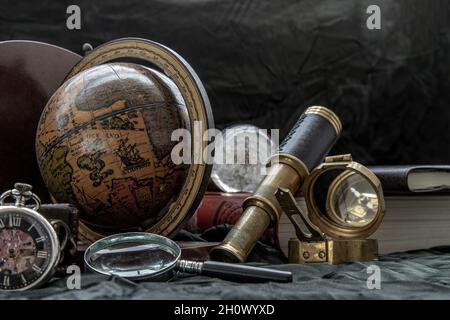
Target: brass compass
(345, 205)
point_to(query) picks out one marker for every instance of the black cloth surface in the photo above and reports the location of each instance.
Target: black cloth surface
(423, 274)
(413, 275)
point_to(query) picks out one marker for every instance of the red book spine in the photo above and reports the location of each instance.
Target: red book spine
(223, 208)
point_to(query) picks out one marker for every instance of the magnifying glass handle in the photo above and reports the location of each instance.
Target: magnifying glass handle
(234, 272)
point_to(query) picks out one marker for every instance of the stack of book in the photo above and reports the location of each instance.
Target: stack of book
(411, 222)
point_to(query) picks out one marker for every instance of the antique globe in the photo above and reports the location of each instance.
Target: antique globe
(104, 144)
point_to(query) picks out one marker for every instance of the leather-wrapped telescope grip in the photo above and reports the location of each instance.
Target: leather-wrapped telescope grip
(303, 149)
(312, 137)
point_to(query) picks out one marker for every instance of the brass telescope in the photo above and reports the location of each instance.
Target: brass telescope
(305, 147)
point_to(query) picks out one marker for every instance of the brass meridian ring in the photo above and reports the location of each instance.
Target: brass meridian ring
(197, 104)
(327, 114)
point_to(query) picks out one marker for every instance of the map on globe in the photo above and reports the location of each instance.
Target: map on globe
(104, 144)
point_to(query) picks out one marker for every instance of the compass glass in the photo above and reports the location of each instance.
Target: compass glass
(25, 250)
(354, 200)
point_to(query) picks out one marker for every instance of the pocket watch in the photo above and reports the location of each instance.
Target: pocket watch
(30, 247)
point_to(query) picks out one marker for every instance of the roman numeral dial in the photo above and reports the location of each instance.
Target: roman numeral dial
(36, 268)
(6, 281)
(14, 221)
(42, 254)
(27, 250)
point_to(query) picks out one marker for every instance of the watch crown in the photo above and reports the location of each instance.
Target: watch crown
(22, 187)
(22, 193)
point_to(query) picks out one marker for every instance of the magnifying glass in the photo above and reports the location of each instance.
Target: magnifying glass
(145, 256)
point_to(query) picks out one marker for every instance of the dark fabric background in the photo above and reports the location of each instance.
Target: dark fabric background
(265, 61)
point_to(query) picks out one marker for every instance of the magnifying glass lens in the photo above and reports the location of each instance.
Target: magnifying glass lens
(355, 201)
(133, 259)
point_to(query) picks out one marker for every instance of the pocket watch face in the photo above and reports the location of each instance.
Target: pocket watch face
(27, 249)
